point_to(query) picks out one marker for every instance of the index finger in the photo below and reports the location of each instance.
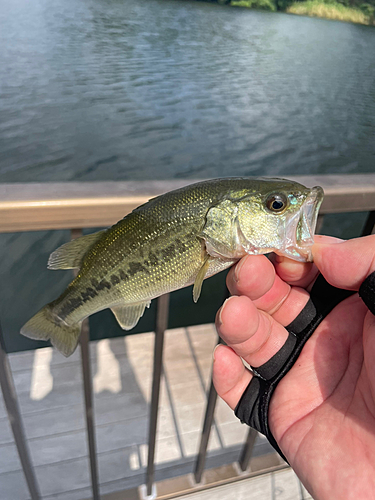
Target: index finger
(255, 277)
(345, 264)
(302, 274)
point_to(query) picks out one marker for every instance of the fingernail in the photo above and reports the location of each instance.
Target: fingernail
(213, 354)
(237, 269)
(220, 321)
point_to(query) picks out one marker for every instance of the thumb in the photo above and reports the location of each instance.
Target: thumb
(345, 264)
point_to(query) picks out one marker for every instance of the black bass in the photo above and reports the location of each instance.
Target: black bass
(172, 241)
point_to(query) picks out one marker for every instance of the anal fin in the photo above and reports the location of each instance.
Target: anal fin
(129, 315)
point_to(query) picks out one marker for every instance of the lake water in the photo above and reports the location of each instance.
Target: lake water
(154, 89)
(109, 89)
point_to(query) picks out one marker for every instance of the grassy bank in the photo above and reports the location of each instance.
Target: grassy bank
(316, 8)
(355, 11)
(255, 4)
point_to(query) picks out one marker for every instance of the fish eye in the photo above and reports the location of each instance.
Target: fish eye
(276, 203)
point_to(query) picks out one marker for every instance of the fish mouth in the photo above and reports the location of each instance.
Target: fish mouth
(303, 227)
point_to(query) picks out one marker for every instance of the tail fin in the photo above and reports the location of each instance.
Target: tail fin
(43, 327)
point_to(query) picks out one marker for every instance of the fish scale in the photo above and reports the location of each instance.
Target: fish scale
(172, 241)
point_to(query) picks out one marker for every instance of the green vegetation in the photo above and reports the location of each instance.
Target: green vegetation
(256, 4)
(355, 11)
(335, 10)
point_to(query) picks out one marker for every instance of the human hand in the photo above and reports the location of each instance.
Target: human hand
(322, 413)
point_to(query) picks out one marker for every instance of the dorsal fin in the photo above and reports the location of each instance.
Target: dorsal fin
(70, 255)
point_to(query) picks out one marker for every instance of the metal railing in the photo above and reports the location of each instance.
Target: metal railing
(27, 207)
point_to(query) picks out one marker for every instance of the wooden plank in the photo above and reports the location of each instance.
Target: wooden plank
(67, 205)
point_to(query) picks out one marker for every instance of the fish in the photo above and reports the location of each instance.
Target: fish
(175, 240)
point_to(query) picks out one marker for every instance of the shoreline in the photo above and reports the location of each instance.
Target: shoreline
(332, 11)
(312, 8)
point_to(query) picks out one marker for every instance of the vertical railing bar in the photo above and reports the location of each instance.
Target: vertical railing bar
(173, 412)
(201, 377)
(208, 420)
(161, 326)
(247, 449)
(88, 393)
(14, 415)
(90, 425)
(206, 431)
(369, 226)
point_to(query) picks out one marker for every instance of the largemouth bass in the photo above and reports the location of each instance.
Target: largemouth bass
(172, 241)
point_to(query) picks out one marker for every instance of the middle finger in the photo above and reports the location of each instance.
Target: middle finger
(255, 277)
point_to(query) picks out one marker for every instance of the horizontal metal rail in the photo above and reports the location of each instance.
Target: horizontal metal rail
(69, 205)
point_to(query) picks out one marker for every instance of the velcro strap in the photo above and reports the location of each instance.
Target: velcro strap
(253, 406)
(367, 292)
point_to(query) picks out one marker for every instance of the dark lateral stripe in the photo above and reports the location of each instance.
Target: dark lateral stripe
(104, 284)
(136, 267)
(115, 280)
(70, 306)
(88, 294)
(152, 260)
(169, 252)
(123, 275)
(166, 254)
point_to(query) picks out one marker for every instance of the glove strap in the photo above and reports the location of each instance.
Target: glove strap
(367, 292)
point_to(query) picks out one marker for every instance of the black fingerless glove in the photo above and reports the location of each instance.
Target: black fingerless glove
(367, 292)
(253, 406)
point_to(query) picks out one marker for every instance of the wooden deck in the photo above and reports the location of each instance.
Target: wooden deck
(50, 393)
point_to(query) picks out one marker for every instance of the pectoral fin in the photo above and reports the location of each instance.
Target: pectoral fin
(70, 255)
(128, 316)
(200, 277)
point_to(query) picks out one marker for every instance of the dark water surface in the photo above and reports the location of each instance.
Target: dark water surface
(155, 89)
(97, 89)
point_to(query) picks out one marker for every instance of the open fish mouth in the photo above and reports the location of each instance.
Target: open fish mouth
(302, 227)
